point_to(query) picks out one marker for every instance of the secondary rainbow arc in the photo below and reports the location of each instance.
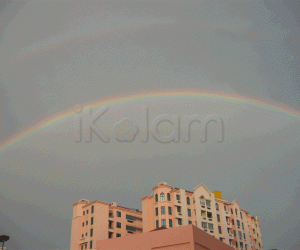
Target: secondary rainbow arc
(146, 96)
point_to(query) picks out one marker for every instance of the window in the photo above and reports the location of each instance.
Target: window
(168, 197)
(118, 235)
(190, 222)
(163, 223)
(163, 210)
(81, 247)
(170, 223)
(211, 226)
(217, 206)
(240, 234)
(179, 222)
(202, 201)
(220, 230)
(194, 200)
(156, 198)
(235, 211)
(231, 211)
(85, 246)
(236, 244)
(82, 235)
(130, 228)
(156, 211)
(218, 217)
(227, 220)
(162, 197)
(157, 225)
(118, 214)
(238, 223)
(195, 211)
(233, 222)
(91, 244)
(92, 220)
(83, 212)
(170, 210)
(130, 217)
(241, 215)
(178, 197)
(225, 208)
(179, 209)
(85, 234)
(234, 232)
(204, 225)
(118, 224)
(243, 225)
(246, 246)
(188, 200)
(83, 224)
(195, 223)
(189, 212)
(92, 210)
(244, 236)
(86, 223)
(87, 211)
(91, 232)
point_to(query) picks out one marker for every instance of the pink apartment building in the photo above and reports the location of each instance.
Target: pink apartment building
(98, 220)
(167, 207)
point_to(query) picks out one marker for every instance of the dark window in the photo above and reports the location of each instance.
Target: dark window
(162, 197)
(179, 209)
(92, 209)
(163, 223)
(156, 198)
(118, 235)
(92, 220)
(110, 234)
(170, 210)
(81, 247)
(189, 212)
(179, 222)
(118, 224)
(130, 217)
(157, 225)
(163, 210)
(156, 211)
(220, 230)
(130, 228)
(241, 215)
(83, 224)
(91, 232)
(178, 197)
(190, 222)
(170, 223)
(243, 225)
(207, 203)
(168, 197)
(188, 200)
(218, 217)
(238, 223)
(87, 211)
(225, 208)
(82, 235)
(91, 244)
(85, 246)
(231, 211)
(217, 206)
(234, 232)
(118, 214)
(232, 221)
(86, 223)
(83, 212)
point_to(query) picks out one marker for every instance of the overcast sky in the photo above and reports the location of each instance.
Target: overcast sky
(59, 54)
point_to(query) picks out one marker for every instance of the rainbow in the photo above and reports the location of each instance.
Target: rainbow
(147, 96)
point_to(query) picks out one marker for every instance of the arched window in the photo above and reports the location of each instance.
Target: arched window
(162, 196)
(92, 209)
(188, 200)
(202, 201)
(156, 198)
(169, 197)
(217, 206)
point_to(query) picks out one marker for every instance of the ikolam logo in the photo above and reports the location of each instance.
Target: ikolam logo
(127, 130)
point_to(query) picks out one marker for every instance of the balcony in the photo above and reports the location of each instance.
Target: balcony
(227, 214)
(110, 229)
(177, 203)
(111, 218)
(82, 241)
(229, 225)
(178, 215)
(230, 236)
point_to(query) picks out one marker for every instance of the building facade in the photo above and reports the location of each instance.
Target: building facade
(98, 220)
(228, 222)
(167, 207)
(179, 238)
